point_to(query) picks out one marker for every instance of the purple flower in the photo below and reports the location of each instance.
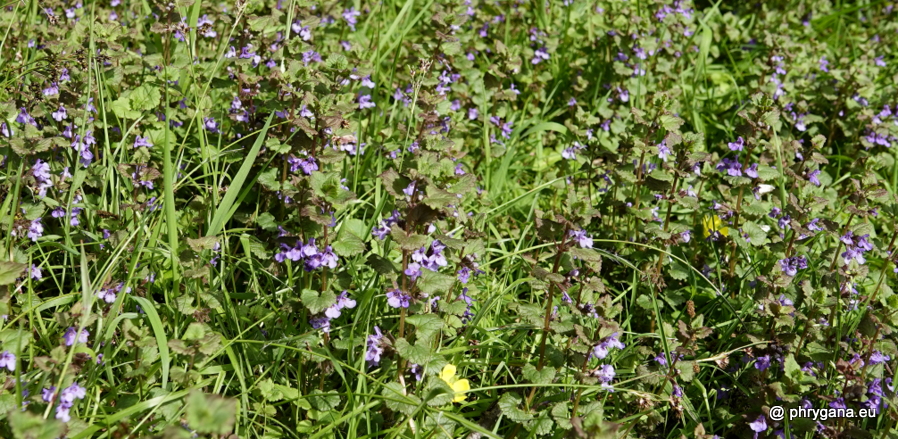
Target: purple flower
(541, 54)
(737, 145)
(677, 391)
(303, 31)
(350, 16)
(752, 171)
(878, 357)
(812, 177)
(310, 56)
(855, 247)
(600, 350)
(473, 113)
(41, 173)
(572, 102)
(759, 425)
(838, 403)
(67, 400)
(375, 348)
(582, 238)
(410, 189)
(108, 294)
(791, 265)
(307, 165)
(398, 299)
(35, 230)
(8, 360)
(762, 363)
(142, 141)
(71, 334)
(210, 125)
(343, 301)
(205, 24)
(731, 166)
(605, 373)
(384, 229)
(321, 323)
(246, 52)
(417, 371)
(365, 102)
(25, 118)
(47, 394)
(664, 150)
(570, 153)
(52, 90)
(59, 114)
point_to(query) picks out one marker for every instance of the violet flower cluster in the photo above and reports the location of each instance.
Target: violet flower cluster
(313, 258)
(332, 312)
(431, 259)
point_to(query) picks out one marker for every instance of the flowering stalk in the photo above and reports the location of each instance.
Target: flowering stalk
(542, 344)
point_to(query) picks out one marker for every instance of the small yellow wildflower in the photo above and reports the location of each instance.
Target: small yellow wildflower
(459, 386)
(712, 223)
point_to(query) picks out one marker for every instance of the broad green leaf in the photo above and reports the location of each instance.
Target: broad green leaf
(318, 302)
(544, 376)
(432, 282)
(427, 325)
(756, 235)
(508, 404)
(122, 108)
(211, 414)
(10, 271)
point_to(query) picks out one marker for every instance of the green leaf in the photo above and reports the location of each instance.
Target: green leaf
(678, 270)
(267, 222)
(793, 370)
(438, 392)
(432, 282)
(509, 403)
(211, 414)
(542, 425)
(26, 425)
(427, 326)
(756, 235)
(348, 244)
(407, 242)
(586, 254)
(438, 198)
(318, 303)
(396, 399)
(544, 376)
(671, 122)
(195, 331)
(122, 108)
(270, 180)
(145, 97)
(417, 353)
(11, 338)
(203, 243)
(10, 271)
(324, 401)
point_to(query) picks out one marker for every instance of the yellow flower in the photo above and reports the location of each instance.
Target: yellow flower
(712, 223)
(459, 386)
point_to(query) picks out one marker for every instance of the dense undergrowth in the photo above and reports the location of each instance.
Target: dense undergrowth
(431, 219)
